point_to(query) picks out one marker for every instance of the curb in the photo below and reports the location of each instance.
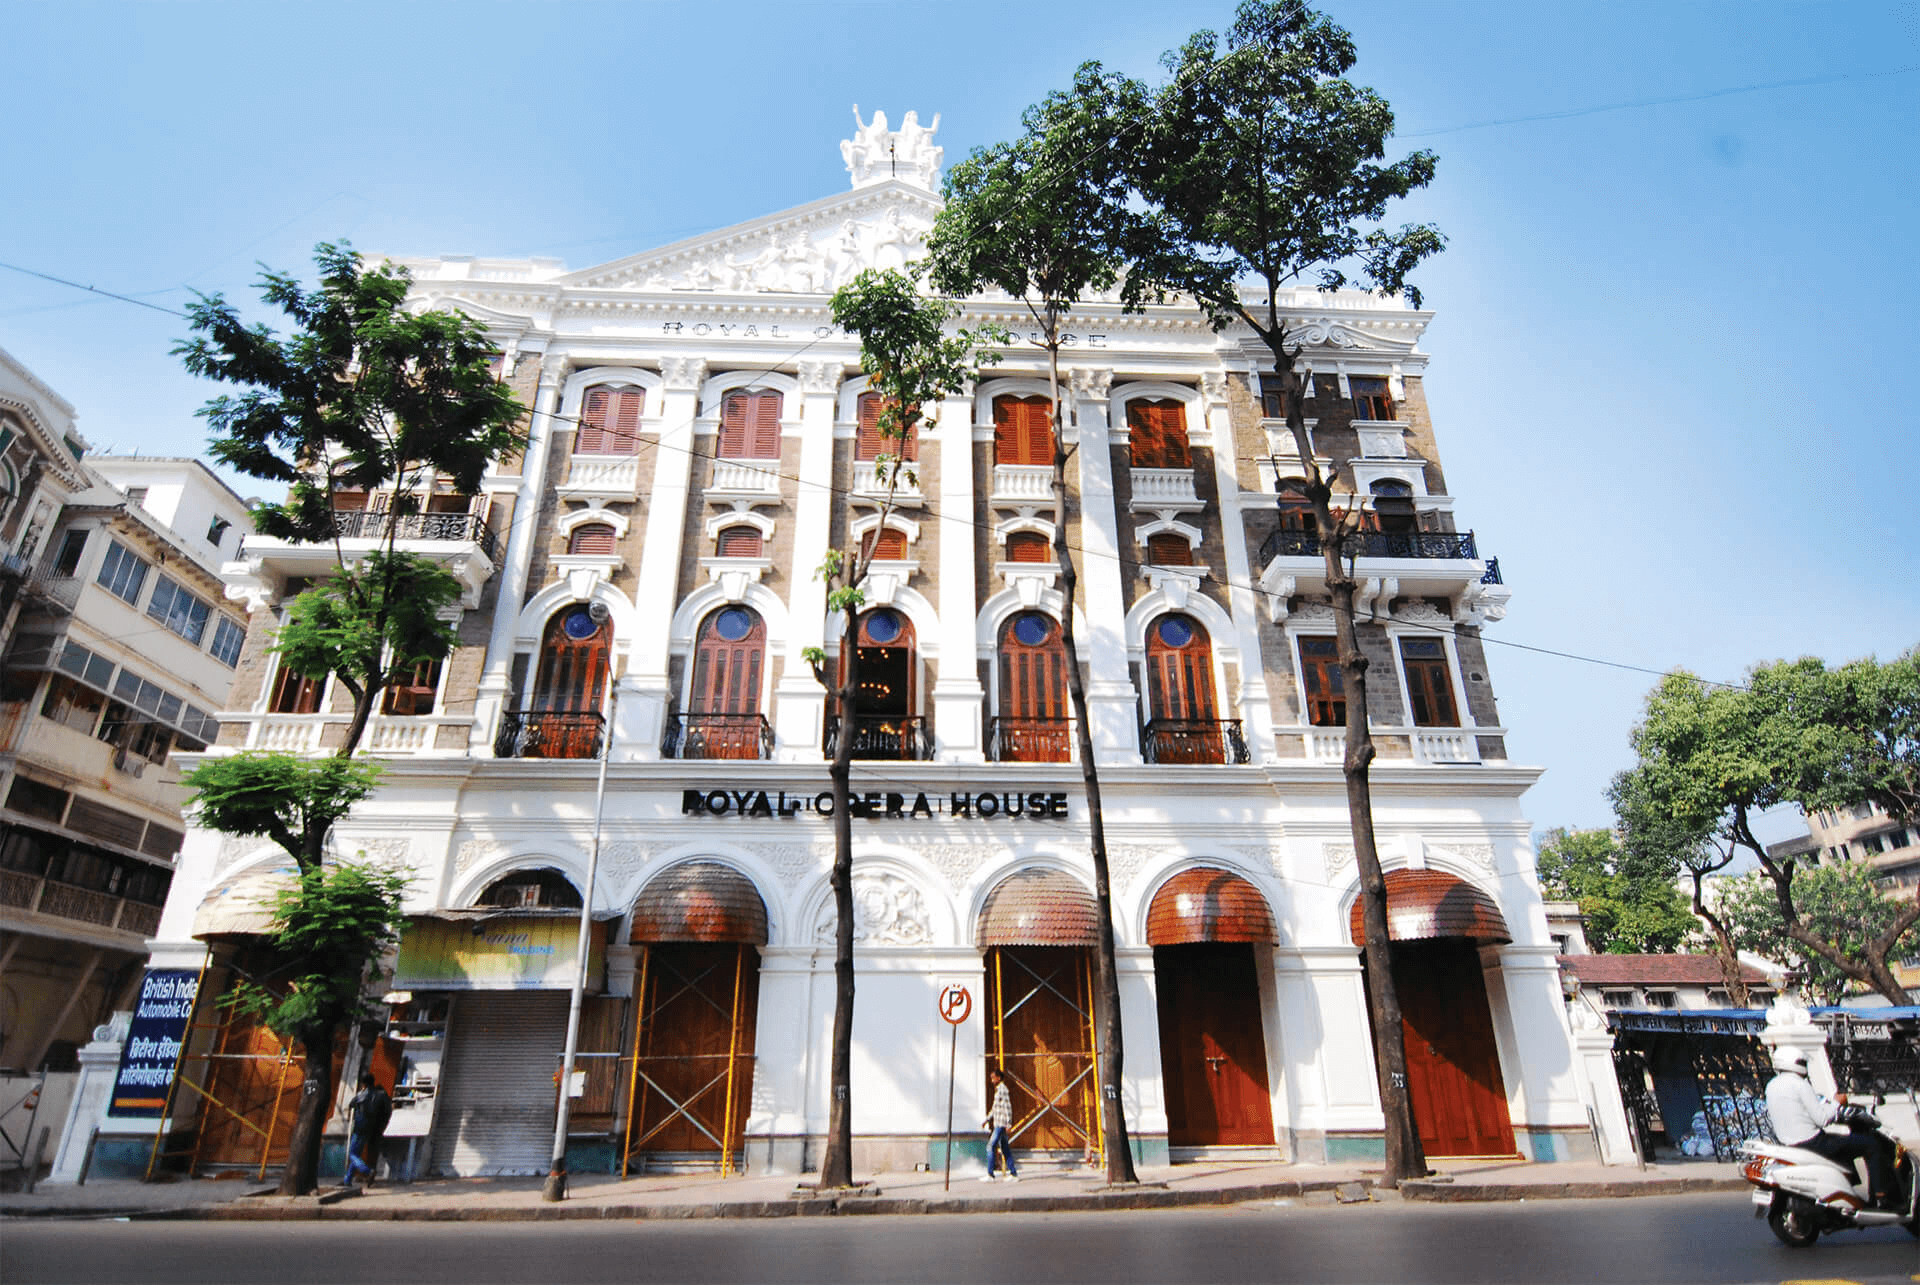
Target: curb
(1444, 1193)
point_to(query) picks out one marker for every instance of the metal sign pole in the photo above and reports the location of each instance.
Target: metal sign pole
(954, 1005)
(953, 1052)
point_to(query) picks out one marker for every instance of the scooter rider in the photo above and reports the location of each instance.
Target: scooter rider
(1799, 1116)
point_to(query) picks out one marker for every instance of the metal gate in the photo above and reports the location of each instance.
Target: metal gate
(497, 1094)
(1874, 1055)
(1705, 1076)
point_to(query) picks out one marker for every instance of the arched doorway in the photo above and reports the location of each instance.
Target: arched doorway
(1038, 929)
(1203, 926)
(1437, 923)
(563, 714)
(699, 926)
(1034, 721)
(887, 725)
(1184, 724)
(723, 719)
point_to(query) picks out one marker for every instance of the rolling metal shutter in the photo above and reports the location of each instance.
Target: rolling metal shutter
(495, 1113)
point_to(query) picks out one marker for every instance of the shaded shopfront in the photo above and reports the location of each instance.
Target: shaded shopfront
(1437, 924)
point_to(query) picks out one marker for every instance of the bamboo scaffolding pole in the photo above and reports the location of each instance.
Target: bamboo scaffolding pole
(633, 1082)
(733, 1044)
(273, 1116)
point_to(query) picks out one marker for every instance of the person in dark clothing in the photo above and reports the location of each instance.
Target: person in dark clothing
(370, 1110)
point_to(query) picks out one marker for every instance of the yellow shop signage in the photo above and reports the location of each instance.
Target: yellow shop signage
(496, 952)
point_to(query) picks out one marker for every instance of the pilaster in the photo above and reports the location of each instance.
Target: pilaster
(957, 698)
(645, 696)
(799, 703)
(1253, 701)
(1113, 708)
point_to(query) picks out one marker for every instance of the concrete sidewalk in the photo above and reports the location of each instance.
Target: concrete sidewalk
(600, 1196)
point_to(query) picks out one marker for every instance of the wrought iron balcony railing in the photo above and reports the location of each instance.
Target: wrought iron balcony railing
(363, 524)
(882, 736)
(1029, 740)
(717, 736)
(1456, 545)
(549, 734)
(1493, 572)
(1193, 740)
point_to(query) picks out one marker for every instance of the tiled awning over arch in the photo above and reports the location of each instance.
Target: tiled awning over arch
(699, 901)
(244, 905)
(1207, 904)
(1423, 904)
(1039, 908)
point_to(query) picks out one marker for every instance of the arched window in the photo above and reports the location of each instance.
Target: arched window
(885, 545)
(1033, 723)
(869, 444)
(1157, 434)
(542, 887)
(1371, 398)
(739, 542)
(562, 719)
(1169, 549)
(1393, 506)
(595, 538)
(1029, 546)
(1296, 511)
(723, 708)
(1180, 694)
(1022, 430)
(610, 421)
(888, 727)
(750, 426)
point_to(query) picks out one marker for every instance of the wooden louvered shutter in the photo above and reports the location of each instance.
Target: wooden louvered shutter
(1028, 546)
(594, 538)
(733, 426)
(623, 428)
(740, 542)
(892, 545)
(765, 443)
(866, 446)
(1022, 431)
(590, 439)
(1169, 550)
(1158, 434)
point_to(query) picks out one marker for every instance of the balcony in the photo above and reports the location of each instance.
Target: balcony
(1022, 484)
(1029, 740)
(882, 736)
(1193, 740)
(36, 894)
(1429, 745)
(1441, 564)
(717, 736)
(744, 478)
(460, 543)
(603, 477)
(1163, 488)
(1374, 544)
(62, 593)
(405, 735)
(871, 484)
(549, 734)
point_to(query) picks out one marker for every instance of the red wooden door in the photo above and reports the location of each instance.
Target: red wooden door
(726, 682)
(1033, 690)
(1212, 1055)
(1453, 1065)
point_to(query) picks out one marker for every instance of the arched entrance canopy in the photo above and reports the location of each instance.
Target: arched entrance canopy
(700, 901)
(1208, 904)
(1426, 904)
(1039, 908)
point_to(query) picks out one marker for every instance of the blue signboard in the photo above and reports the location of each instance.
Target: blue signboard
(153, 1043)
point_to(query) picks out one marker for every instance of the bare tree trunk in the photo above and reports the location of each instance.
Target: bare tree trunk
(1110, 1056)
(836, 1162)
(1405, 1157)
(302, 1172)
(1722, 936)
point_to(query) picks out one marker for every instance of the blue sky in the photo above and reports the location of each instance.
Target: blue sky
(1671, 373)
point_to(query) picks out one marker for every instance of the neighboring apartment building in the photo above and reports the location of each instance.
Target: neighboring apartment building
(1661, 983)
(1864, 832)
(700, 435)
(121, 652)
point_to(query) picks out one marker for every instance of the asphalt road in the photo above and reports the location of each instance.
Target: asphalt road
(1694, 1239)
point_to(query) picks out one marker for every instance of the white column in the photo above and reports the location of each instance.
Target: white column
(87, 1108)
(1253, 700)
(498, 671)
(799, 702)
(1789, 1025)
(1112, 707)
(1593, 1062)
(778, 1124)
(956, 693)
(645, 695)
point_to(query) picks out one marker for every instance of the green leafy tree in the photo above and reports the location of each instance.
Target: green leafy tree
(1268, 166)
(1050, 218)
(1840, 903)
(1628, 899)
(912, 363)
(1711, 758)
(359, 395)
(1652, 836)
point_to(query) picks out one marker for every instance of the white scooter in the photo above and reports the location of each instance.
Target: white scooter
(1802, 1193)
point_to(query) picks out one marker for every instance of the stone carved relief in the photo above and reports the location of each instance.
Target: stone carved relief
(232, 848)
(1125, 861)
(1214, 384)
(1422, 612)
(820, 376)
(792, 862)
(1477, 854)
(876, 153)
(683, 373)
(476, 852)
(887, 911)
(956, 862)
(1090, 384)
(1336, 857)
(621, 861)
(803, 258)
(1314, 613)
(394, 853)
(1273, 858)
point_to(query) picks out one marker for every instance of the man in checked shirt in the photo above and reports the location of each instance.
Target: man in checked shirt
(999, 1119)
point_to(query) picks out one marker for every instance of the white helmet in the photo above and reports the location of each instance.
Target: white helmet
(1790, 1059)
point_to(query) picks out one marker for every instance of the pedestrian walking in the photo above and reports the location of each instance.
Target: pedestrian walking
(999, 1120)
(369, 1111)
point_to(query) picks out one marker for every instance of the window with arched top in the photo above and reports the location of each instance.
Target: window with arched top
(1157, 434)
(563, 714)
(610, 421)
(1033, 725)
(739, 542)
(884, 545)
(1393, 506)
(750, 425)
(1169, 549)
(729, 656)
(541, 887)
(594, 539)
(869, 444)
(1029, 546)
(1022, 430)
(887, 726)
(1184, 727)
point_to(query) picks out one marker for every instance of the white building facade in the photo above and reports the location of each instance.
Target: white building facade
(696, 445)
